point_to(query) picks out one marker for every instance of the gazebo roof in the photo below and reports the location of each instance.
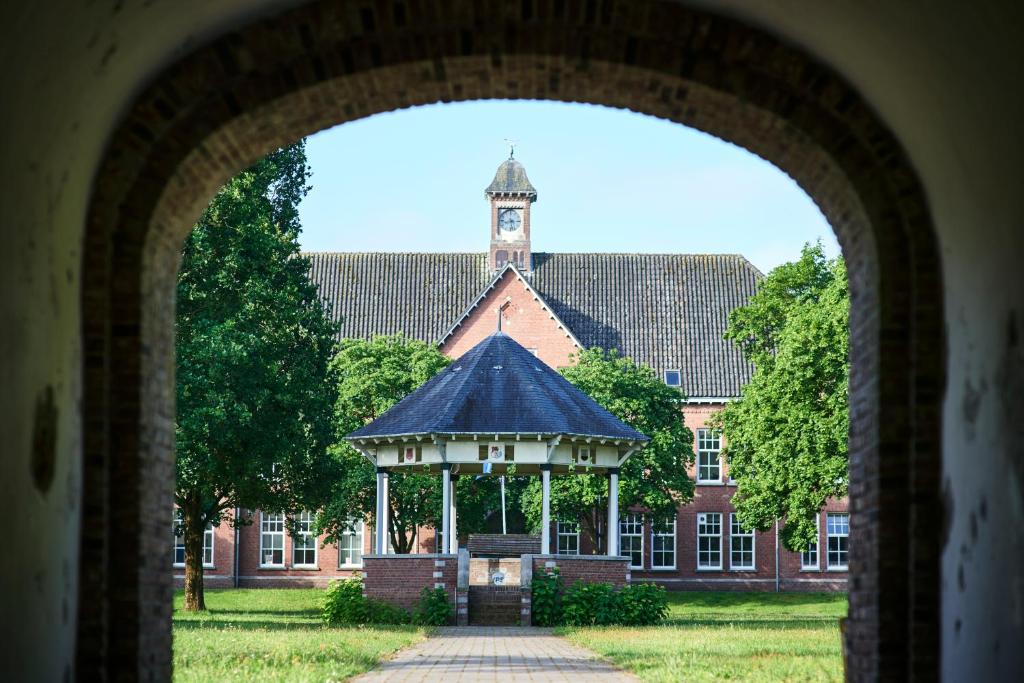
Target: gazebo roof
(498, 387)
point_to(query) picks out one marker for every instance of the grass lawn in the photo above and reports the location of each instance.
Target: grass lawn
(733, 636)
(266, 634)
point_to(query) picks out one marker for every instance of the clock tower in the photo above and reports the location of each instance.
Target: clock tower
(510, 195)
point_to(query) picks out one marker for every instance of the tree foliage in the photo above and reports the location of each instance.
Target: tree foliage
(371, 377)
(253, 353)
(654, 477)
(786, 438)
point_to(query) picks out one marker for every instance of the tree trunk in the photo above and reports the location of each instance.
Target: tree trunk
(193, 530)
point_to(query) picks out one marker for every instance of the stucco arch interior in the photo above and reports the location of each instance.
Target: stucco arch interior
(228, 104)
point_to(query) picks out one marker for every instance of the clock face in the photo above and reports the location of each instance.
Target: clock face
(508, 220)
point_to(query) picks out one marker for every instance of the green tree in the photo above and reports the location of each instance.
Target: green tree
(371, 377)
(253, 353)
(654, 477)
(786, 438)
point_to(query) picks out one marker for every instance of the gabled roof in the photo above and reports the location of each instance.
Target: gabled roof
(498, 387)
(666, 310)
(511, 270)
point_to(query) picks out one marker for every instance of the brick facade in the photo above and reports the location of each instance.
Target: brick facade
(228, 102)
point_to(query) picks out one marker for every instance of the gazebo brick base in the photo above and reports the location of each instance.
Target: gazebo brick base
(400, 579)
(586, 568)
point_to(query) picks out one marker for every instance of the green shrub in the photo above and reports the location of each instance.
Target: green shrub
(434, 608)
(378, 612)
(545, 589)
(642, 604)
(345, 605)
(590, 604)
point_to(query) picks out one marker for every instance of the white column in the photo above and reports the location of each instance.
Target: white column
(613, 511)
(545, 514)
(381, 546)
(453, 543)
(446, 504)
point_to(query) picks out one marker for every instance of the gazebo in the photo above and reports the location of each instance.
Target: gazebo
(495, 408)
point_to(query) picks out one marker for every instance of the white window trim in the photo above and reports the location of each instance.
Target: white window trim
(838, 567)
(640, 536)
(664, 377)
(361, 535)
(213, 539)
(284, 553)
(816, 567)
(316, 548)
(709, 482)
(753, 548)
(675, 547)
(721, 546)
(559, 534)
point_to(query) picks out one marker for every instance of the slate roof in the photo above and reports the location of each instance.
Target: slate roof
(510, 178)
(498, 387)
(666, 310)
(503, 545)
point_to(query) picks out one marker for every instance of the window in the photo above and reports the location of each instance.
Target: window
(350, 547)
(709, 443)
(673, 378)
(179, 543)
(631, 539)
(809, 557)
(709, 540)
(837, 526)
(568, 538)
(663, 543)
(272, 539)
(304, 541)
(741, 545)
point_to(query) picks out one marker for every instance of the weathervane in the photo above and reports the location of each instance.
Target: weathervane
(511, 147)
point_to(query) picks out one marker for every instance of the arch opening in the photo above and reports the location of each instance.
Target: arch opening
(187, 135)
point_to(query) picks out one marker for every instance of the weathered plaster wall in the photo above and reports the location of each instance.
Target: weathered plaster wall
(71, 70)
(943, 75)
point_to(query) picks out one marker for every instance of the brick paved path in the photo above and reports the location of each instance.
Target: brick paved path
(490, 653)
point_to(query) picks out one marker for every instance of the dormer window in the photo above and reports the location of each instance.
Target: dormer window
(673, 378)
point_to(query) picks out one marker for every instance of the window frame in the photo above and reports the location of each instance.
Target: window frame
(206, 548)
(816, 567)
(705, 435)
(718, 536)
(559, 534)
(263, 533)
(306, 536)
(679, 376)
(828, 543)
(358, 531)
(631, 518)
(734, 524)
(675, 550)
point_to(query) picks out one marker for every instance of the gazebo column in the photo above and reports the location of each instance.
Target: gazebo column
(453, 542)
(545, 507)
(613, 511)
(383, 509)
(446, 504)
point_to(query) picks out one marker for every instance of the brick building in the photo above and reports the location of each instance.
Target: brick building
(668, 311)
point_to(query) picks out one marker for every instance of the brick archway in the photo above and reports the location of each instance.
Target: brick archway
(229, 103)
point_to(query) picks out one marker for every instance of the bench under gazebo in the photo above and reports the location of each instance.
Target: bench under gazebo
(497, 407)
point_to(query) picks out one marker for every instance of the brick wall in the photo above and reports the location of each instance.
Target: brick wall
(399, 579)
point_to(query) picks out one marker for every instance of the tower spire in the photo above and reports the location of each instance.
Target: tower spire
(511, 147)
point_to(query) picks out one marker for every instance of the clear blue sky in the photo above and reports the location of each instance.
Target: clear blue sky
(607, 180)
